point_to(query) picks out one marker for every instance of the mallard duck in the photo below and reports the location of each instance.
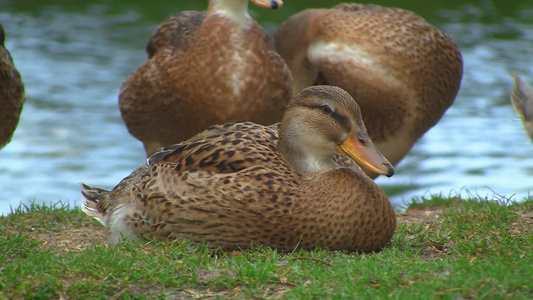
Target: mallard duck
(404, 72)
(11, 93)
(202, 70)
(522, 100)
(236, 184)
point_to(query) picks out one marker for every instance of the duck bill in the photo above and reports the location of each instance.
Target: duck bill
(271, 4)
(362, 150)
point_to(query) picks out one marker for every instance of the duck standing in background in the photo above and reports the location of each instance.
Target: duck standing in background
(234, 186)
(202, 70)
(404, 71)
(11, 93)
(522, 100)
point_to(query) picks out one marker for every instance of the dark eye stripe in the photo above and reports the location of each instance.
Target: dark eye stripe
(341, 119)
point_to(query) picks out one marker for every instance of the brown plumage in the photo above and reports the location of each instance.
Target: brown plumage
(404, 72)
(522, 101)
(237, 184)
(205, 69)
(11, 93)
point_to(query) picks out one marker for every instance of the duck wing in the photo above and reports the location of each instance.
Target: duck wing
(224, 148)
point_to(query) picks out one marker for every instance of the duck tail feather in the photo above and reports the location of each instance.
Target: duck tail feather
(93, 197)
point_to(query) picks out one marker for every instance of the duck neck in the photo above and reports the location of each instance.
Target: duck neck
(234, 9)
(304, 160)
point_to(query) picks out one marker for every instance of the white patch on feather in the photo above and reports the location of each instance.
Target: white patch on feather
(89, 209)
(118, 230)
(320, 51)
(237, 82)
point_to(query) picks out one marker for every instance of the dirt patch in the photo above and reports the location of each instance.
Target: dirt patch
(70, 238)
(204, 277)
(420, 216)
(523, 223)
(59, 235)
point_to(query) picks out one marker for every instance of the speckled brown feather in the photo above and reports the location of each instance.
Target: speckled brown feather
(405, 72)
(229, 186)
(226, 148)
(11, 94)
(212, 74)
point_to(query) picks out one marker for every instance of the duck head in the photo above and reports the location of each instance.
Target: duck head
(321, 121)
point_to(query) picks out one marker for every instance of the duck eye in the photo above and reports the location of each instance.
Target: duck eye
(326, 109)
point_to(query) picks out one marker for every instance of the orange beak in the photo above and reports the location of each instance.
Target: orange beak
(360, 148)
(271, 4)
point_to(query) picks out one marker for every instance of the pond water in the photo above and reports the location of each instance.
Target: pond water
(74, 55)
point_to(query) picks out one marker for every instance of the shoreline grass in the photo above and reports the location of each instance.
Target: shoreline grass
(446, 248)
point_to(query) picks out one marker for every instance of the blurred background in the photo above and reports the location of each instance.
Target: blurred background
(74, 54)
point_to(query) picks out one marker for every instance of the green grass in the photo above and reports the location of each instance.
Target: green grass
(474, 249)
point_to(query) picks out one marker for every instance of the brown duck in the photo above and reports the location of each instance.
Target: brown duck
(522, 101)
(235, 185)
(404, 72)
(11, 93)
(205, 69)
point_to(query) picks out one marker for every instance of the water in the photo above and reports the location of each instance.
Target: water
(74, 56)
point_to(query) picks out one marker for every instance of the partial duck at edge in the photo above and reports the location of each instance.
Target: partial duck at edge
(522, 101)
(11, 93)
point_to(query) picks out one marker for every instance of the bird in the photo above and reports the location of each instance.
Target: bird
(522, 101)
(12, 95)
(238, 185)
(405, 72)
(204, 69)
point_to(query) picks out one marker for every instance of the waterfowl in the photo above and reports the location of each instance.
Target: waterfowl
(11, 93)
(522, 101)
(236, 184)
(205, 69)
(404, 72)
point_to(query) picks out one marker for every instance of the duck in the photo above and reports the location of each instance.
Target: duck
(236, 185)
(12, 95)
(522, 101)
(405, 72)
(204, 69)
